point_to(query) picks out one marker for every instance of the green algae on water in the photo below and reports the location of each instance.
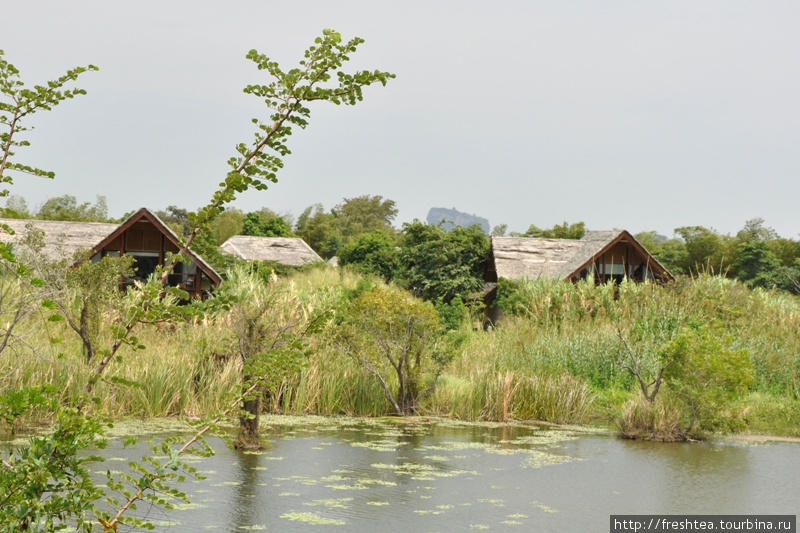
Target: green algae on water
(311, 518)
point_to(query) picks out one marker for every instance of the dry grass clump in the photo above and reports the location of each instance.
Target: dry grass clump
(659, 420)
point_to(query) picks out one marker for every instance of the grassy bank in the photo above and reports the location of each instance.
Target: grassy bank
(558, 356)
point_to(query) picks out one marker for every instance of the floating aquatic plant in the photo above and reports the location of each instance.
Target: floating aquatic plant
(331, 503)
(312, 518)
(543, 507)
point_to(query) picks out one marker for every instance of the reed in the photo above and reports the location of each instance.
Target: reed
(658, 421)
(556, 361)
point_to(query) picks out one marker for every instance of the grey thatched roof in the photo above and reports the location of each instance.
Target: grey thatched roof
(285, 250)
(518, 257)
(524, 257)
(61, 239)
(532, 258)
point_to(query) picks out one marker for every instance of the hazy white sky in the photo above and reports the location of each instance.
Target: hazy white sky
(635, 115)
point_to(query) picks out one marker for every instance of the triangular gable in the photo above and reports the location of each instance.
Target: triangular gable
(146, 214)
(600, 242)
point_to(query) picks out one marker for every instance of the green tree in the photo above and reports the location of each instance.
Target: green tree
(707, 374)
(18, 299)
(63, 492)
(756, 266)
(786, 250)
(176, 218)
(394, 336)
(443, 264)
(16, 207)
(229, 223)
(320, 230)
(287, 95)
(364, 214)
(669, 252)
(269, 325)
(375, 253)
(66, 208)
(559, 231)
(499, 230)
(45, 484)
(265, 224)
(754, 230)
(706, 250)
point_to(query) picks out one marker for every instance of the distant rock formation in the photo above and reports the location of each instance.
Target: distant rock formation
(453, 217)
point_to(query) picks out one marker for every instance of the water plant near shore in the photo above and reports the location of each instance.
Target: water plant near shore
(555, 370)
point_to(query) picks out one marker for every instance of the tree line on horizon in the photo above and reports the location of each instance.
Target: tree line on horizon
(360, 231)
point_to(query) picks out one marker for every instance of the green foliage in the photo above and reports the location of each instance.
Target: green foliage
(657, 420)
(499, 230)
(706, 250)
(551, 301)
(393, 335)
(18, 298)
(443, 264)
(67, 208)
(206, 246)
(287, 96)
(16, 207)
(755, 255)
(671, 253)
(227, 224)
(177, 219)
(756, 266)
(364, 214)
(268, 323)
(559, 231)
(373, 253)
(84, 294)
(263, 225)
(15, 404)
(46, 486)
(327, 232)
(707, 373)
(452, 315)
(320, 230)
(17, 103)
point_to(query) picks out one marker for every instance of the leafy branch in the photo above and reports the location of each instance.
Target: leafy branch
(18, 102)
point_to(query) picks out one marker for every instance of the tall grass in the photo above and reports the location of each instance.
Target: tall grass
(557, 359)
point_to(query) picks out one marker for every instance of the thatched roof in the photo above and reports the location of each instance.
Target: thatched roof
(61, 239)
(523, 257)
(285, 250)
(532, 258)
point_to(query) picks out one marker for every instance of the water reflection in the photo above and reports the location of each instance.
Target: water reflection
(361, 476)
(242, 508)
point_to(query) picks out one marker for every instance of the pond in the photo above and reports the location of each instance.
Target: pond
(357, 475)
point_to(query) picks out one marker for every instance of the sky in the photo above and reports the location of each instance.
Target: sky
(631, 115)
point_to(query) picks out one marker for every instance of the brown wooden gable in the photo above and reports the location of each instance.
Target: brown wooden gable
(622, 257)
(144, 233)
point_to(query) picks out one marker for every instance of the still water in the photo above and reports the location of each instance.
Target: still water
(366, 475)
